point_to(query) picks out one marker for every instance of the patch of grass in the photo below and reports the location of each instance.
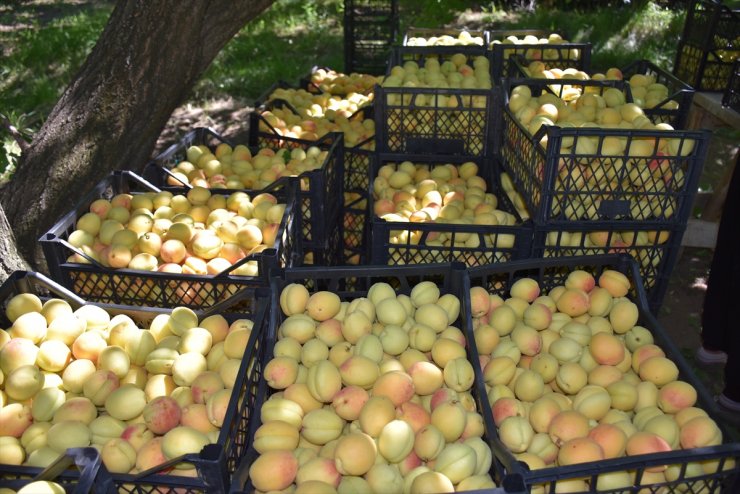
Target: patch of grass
(285, 42)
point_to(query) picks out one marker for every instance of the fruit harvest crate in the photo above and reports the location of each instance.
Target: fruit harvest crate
(356, 163)
(562, 55)
(100, 284)
(216, 462)
(497, 279)
(449, 277)
(434, 120)
(370, 29)
(307, 82)
(654, 247)
(446, 50)
(679, 93)
(490, 244)
(731, 98)
(79, 471)
(319, 215)
(650, 186)
(709, 45)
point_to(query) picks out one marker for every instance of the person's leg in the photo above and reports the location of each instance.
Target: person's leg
(718, 300)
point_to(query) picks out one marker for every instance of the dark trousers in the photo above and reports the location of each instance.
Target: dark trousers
(720, 321)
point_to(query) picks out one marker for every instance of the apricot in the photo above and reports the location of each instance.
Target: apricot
(162, 414)
(615, 282)
(355, 454)
(195, 416)
(503, 319)
(574, 302)
(426, 377)
(526, 289)
(623, 316)
(150, 454)
(643, 442)
(658, 370)
(699, 432)
(567, 425)
(604, 375)
(592, 401)
(611, 438)
(104, 428)
(319, 472)
(273, 470)
(16, 353)
(126, 402)
(516, 433)
(15, 418)
(606, 349)
(398, 386)
(675, 396)
(323, 305)
(666, 427)
(450, 417)
(217, 406)
(580, 450)
(645, 352)
(542, 412)
(529, 386)
(545, 365)
(24, 382)
(137, 435)
(88, 346)
(527, 340)
(457, 461)
(324, 381)
(571, 377)
(68, 434)
(184, 440)
(78, 408)
(321, 426)
(118, 456)
(537, 316)
(623, 395)
(396, 440)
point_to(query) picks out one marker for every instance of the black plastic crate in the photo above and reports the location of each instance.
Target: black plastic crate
(654, 247)
(217, 462)
(497, 279)
(450, 279)
(100, 284)
(474, 245)
(731, 98)
(680, 94)
(709, 45)
(79, 471)
(356, 164)
(422, 32)
(554, 179)
(319, 216)
(313, 83)
(562, 55)
(440, 50)
(674, 109)
(434, 120)
(370, 29)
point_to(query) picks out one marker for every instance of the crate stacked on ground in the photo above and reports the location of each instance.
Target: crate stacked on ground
(258, 168)
(448, 108)
(461, 39)
(709, 46)
(370, 29)
(183, 373)
(442, 209)
(276, 119)
(380, 405)
(327, 80)
(534, 44)
(625, 413)
(626, 185)
(731, 98)
(661, 95)
(109, 253)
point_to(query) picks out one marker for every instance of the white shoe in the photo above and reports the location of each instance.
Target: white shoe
(711, 357)
(728, 404)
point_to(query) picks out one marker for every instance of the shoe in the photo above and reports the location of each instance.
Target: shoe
(711, 357)
(728, 404)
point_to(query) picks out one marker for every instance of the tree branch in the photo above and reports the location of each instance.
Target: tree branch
(15, 133)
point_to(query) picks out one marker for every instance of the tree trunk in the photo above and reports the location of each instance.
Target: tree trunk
(10, 260)
(143, 66)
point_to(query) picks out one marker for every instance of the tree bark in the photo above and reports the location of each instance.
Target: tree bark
(143, 66)
(10, 259)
